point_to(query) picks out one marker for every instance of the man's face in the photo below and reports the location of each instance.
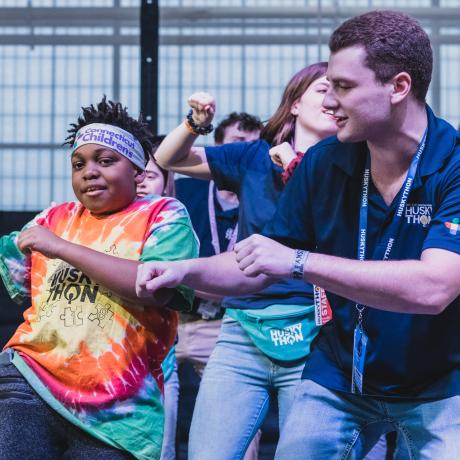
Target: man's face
(360, 103)
(232, 134)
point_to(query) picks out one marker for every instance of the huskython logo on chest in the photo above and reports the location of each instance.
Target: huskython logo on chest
(418, 213)
(72, 285)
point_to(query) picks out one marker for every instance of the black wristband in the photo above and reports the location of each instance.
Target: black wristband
(201, 130)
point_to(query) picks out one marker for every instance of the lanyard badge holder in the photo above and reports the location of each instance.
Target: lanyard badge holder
(359, 353)
(360, 338)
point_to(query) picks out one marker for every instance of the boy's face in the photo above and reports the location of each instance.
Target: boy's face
(360, 103)
(103, 180)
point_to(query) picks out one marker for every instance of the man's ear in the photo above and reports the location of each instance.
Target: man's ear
(295, 108)
(401, 84)
(139, 175)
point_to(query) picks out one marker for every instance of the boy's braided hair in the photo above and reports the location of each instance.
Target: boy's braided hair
(113, 113)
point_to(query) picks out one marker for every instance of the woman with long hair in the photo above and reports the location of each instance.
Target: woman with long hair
(265, 337)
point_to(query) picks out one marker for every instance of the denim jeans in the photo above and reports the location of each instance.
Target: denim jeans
(234, 395)
(31, 430)
(197, 340)
(168, 450)
(328, 425)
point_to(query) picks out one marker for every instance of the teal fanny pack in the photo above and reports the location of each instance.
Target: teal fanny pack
(282, 332)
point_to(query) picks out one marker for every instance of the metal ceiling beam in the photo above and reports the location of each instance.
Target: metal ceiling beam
(196, 13)
(130, 15)
(177, 40)
(69, 40)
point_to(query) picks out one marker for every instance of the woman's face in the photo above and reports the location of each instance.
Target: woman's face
(153, 183)
(311, 115)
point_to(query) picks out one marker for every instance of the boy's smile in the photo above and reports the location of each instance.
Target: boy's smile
(103, 180)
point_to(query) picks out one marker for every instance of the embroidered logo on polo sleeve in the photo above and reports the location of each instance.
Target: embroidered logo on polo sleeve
(453, 226)
(418, 213)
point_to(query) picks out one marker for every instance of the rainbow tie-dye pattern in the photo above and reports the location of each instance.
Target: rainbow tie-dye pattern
(90, 355)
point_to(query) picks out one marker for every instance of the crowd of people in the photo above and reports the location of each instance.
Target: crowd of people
(310, 261)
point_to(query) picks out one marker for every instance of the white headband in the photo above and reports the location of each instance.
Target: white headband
(113, 137)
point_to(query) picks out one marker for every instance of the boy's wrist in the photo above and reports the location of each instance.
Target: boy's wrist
(62, 248)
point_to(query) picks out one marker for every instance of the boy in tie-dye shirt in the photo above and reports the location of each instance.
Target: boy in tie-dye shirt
(88, 346)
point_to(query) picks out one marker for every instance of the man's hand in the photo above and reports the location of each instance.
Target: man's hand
(282, 154)
(152, 276)
(204, 107)
(258, 255)
(40, 239)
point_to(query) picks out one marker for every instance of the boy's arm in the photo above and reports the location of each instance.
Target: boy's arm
(14, 268)
(15, 265)
(114, 273)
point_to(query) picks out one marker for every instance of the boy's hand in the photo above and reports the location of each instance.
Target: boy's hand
(259, 255)
(40, 239)
(152, 276)
(282, 154)
(204, 107)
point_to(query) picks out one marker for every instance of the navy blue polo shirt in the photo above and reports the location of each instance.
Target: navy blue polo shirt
(408, 356)
(245, 168)
(194, 193)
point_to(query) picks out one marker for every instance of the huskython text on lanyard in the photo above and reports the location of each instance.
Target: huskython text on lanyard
(360, 338)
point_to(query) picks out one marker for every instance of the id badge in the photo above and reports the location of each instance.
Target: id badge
(359, 358)
(323, 312)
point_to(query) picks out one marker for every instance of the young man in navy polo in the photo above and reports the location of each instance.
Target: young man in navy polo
(379, 207)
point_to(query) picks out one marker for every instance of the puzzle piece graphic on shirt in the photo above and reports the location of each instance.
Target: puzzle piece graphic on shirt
(45, 310)
(103, 314)
(72, 316)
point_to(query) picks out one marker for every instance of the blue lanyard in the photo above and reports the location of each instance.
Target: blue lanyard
(396, 222)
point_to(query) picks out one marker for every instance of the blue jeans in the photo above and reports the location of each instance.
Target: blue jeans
(234, 396)
(31, 430)
(168, 450)
(328, 425)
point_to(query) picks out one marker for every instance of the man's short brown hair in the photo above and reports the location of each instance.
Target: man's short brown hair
(394, 42)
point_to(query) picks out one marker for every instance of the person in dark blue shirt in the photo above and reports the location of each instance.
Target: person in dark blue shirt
(214, 215)
(380, 207)
(266, 336)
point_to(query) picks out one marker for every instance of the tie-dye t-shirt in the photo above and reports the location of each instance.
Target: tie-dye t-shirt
(88, 353)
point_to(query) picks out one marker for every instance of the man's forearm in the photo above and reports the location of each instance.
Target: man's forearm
(220, 275)
(406, 286)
